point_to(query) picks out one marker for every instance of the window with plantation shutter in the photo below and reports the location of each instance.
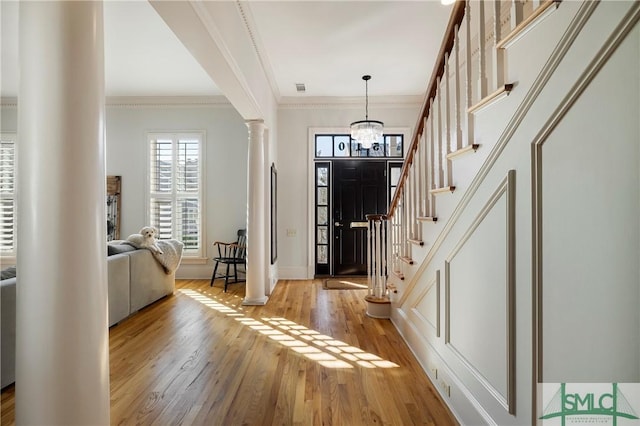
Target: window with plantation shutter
(7, 194)
(175, 180)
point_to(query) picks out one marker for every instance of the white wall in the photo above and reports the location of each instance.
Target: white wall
(127, 122)
(591, 199)
(226, 171)
(225, 166)
(294, 122)
(8, 116)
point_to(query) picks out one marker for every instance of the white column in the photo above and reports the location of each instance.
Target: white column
(256, 213)
(62, 341)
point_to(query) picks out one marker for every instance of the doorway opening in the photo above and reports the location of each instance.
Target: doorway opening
(350, 183)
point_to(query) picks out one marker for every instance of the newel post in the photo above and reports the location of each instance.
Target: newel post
(378, 303)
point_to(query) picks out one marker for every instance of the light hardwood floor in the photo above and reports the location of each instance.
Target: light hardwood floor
(309, 357)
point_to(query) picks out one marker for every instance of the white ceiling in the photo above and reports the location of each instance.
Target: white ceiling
(327, 45)
(142, 56)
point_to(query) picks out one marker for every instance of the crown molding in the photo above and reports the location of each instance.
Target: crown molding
(244, 9)
(150, 101)
(287, 102)
(167, 101)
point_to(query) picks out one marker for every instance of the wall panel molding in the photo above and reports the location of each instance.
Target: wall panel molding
(505, 189)
(434, 285)
(423, 350)
(589, 74)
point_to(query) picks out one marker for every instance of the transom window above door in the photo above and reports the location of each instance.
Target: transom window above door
(342, 146)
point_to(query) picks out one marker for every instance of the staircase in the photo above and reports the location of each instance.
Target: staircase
(464, 84)
(465, 293)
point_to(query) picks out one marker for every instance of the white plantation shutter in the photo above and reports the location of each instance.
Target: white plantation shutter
(176, 188)
(161, 217)
(7, 195)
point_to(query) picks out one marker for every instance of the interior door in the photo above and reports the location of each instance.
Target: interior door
(359, 189)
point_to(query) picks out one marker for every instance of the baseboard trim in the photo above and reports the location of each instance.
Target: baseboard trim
(412, 337)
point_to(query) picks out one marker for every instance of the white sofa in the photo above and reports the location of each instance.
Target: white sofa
(135, 280)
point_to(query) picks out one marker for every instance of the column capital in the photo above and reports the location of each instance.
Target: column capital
(254, 125)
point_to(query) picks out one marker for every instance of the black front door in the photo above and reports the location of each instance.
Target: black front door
(359, 189)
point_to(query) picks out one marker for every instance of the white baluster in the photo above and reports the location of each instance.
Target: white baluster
(469, 69)
(432, 161)
(417, 186)
(429, 166)
(448, 178)
(412, 195)
(482, 52)
(383, 264)
(517, 13)
(383, 245)
(378, 261)
(407, 184)
(399, 231)
(498, 54)
(439, 137)
(392, 240)
(370, 281)
(410, 229)
(405, 223)
(396, 238)
(416, 196)
(419, 172)
(425, 167)
(457, 104)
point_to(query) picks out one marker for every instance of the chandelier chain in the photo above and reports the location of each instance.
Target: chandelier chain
(366, 132)
(366, 95)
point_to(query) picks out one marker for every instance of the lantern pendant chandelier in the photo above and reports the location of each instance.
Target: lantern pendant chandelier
(366, 132)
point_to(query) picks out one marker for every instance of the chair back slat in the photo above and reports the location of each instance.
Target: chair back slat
(241, 244)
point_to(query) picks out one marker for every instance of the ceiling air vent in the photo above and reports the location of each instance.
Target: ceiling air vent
(300, 88)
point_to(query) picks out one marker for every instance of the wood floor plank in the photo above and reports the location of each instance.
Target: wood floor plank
(309, 357)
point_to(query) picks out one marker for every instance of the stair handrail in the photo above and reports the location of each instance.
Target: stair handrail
(455, 19)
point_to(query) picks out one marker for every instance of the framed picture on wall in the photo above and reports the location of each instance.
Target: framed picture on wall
(114, 184)
(274, 214)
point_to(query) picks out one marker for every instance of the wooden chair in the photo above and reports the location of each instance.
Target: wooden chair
(230, 254)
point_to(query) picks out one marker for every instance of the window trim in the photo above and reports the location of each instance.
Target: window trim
(201, 255)
(10, 257)
(352, 147)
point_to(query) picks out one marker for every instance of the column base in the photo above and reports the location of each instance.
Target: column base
(378, 307)
(261, 301)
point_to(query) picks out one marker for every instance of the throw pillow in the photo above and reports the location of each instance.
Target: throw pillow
(119, 248)
(7, 273)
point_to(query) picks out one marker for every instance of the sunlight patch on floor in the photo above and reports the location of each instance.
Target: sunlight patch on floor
(323, 349)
